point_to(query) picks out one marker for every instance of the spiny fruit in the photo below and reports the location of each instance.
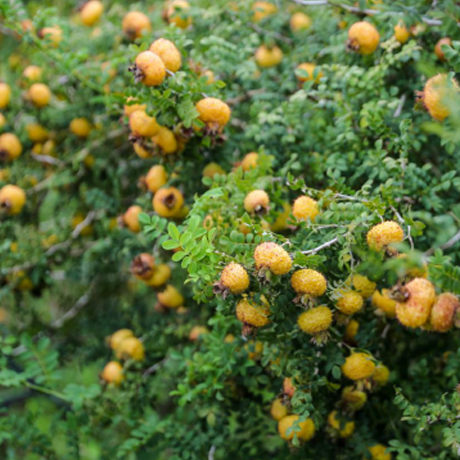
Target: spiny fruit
(315, 320)
(117, 337)
(12, 199)
(281, 222)
(177, 14)
(309, 69)
(379, 452)
(248, 312)
(211, 169)
(305, 208)
(156, 178)
(256, 201)
(10, 147)
(39, 94)
(31, 73)
(262, 10)
(131, 218)
(141, 151)
(168, 202)
(438, 48)
(52, 34)
(309, 282)
(113, 373)
(171, 297)
(305, 430)
(234, 278)
(401, 32)
(438, 90)
(358, 366)
(443, 312)
(343, 427)
(160, 276)
(215, 113)
(250, 161)
(384, 303)
(268, 57)
(130, 347)
(382, 235)
(273, 257)
(197, 332)
(36, 132)
(381, 375)
(349, 302)
(134, 24)
(91, 12)
(148, 69)
(417, 298)
(278, 410)
(81, 127)
(165, 140)
(363, 38)
(143, 125)
(5, 95)
(350, 331)
(142, 266)
(168, 53)
(353, 398)
(363, 285)
(129, 109)
(288, 387)
(299, 21)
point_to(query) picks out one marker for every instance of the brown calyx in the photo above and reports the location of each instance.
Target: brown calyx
(220, 289)
(4, 155)
(399, 293)
(248, 331)
(352, 45)
(170, 200)
(142, 266)
(138, 74)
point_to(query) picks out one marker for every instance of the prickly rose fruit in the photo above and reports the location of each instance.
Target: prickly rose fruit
(171, 297)
(256, 201)
(273, 257)
(417, 298)
(379, 452)
(134, 23)
(113, 373)
(343, 428)
(438, 48)
(143, 125)
(91, 12)
(156, 178)
(262, 10)
(305, 208)
(299, 21)
(384, 303)
(129, 109)
(160, 276)
(250, 161)
(308, 68)
(316, 320)
(349, 302)
(353, 398)
(81, 127)
(197, 332)
(436, 93)
(350, 331)
(168, 202)
(215, 113)
(252, 314)
(288, 387)
(51, 34)
(380, 236)
(5, 95)
(358, 366)
(443, 312)
(12, 199)
(278, 410)
(165, 140)
(307, 428)
(363, 38)
(131, 218)
(118, 337)
(361, 284)
(268, 57)
(149, 69)
(381, 375)
(142, 266)
(39, 94)
(309, 282)
(235, 278)
(168, 53)
(10, 147)
(211, 169)
(177, 14)
(31, 73)
(131, 347)
(402, 33)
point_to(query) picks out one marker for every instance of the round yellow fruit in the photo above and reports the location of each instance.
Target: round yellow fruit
(443, 312)
(143, 125)
(113, 373)
(268, 57)
(171, 297)
(361, 284)
(166, 140)
(309, 68)
(32, 73)
(306, 432)
(235, 278)
(315, 320)
(401, 32)
(250, 161)
(211, 169)
(39, 94)
(10, 146)
(272, 257)
(381, 375)
(168, 202)
(436, 93)
(91, 12)
(379, 452)
(256, 201)
(254, 315)
(168, 53)
(305, 208)
(130, 347)
(149, 69)
(213, 112)
(383, 302)
(131, 218)
(129, 109)
(349, 302)
(5, 95)
(12, 199)
(134, 24)
(358, 366)
(160, 276)
(177, 14)
(438, 48)
(156, 178)
(81, 127)
(262, 10)
(36, 132)
(52, 34)
(363, 38)
(278, 410)
(299, 21)
(309, 282)
(344, 428)
(382, 235)
(118, 337)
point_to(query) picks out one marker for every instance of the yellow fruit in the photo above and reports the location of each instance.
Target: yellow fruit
(361, 284)
(309, 282)
(358, 366)
(250, 161)
(256, 201)
(215, 113)
(254, 315)
(354, 399)
(142, 152)
(419, 296)
(171, 297)
(131, 347)
(168, 53)
(281, 223)
(149, 69)
(363, 38)
(379, 452)
(52, 34)
(10, 147)
(131, 218)
(349, 302)
(39, 94)
(262, 10)
(156, 178)
(177, 14)
(211, 169)
(129, 109)
(315, 320)
(166, 140)
(134, 24)
(305, 208)
(278, 410)
(383, 302)
(91, 12)
(381, 375)
(268, 57)
(118, 337)
(32, 73)
(160, 276)
(288, 387)
(143, 125)
(86, 230)
(273, 257)
(5, 95)
(343, 427)
(81, 127)
(438, 48)
(235, 278)
(305, 430)
(197, 332)
(438, 90)
(142, 266)
(229, 338)
(36, 132)
(113, 373)
(382, 235)
(402, 34)
(299, 21)
(443, 312)
(209, 74)
(168, 202)
(309, 68)
(12, 199)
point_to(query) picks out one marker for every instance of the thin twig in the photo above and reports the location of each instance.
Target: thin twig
(154, 368)
(211, 452)
(323, 246)
(47, 159)
(398, 110)
(450, 243)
